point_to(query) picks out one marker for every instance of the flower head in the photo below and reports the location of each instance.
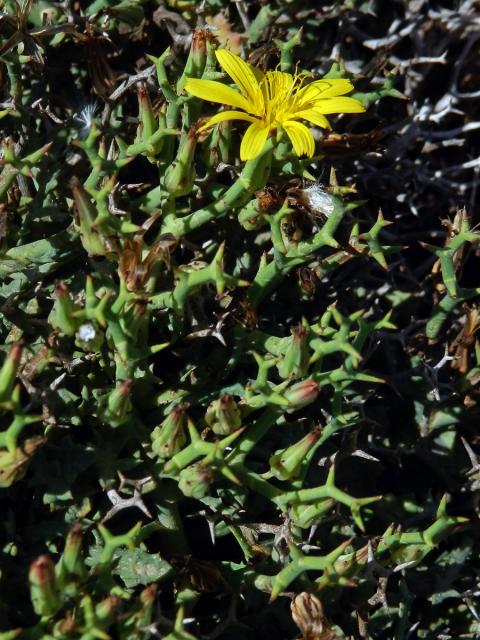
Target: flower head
(271, 100)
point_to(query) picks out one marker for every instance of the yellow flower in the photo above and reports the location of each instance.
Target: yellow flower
(271, 100)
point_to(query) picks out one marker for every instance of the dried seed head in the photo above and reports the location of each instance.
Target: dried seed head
(86, 117)
(267, 199)
(308, 280)
(86, 333)
(308, 615)
(316, 199)
(89, 337)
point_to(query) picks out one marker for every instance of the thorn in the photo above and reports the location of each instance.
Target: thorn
(362, 454)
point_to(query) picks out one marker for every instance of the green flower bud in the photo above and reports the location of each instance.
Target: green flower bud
(198, 52)
(195, 480)
(71, 563)
(61, 316)
(196, 60)
(223, 415)
(66, 627)
(169, 438)
(147, 122)
(302, 393)
(180, 176)
(8, 153)
(45, 598)
(287, 464)
(105, 610)
(294, 364)
(148, 598)
(149, 595)
(86, 216)
(119, 404)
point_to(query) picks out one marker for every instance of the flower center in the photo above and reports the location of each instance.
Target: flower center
(279, 90)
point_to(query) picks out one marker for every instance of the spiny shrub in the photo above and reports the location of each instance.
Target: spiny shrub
(215, 422)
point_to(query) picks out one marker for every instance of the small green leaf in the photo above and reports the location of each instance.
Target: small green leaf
(139, 567)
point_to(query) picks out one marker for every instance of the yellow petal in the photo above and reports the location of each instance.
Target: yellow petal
(277, 83)
(339, 105)
(300, 137)
(314, 117)
(253, 141)
(321, 89)
(223, 116)
(216, 92)
(257, 72)
(243, 76)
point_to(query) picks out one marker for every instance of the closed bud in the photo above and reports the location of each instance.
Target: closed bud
(148, 599)
(286, 464)
(180, 176)
(195, 481)
(196, 60)
(149, 595)
(169, 438)
(105, 610)
(302, 393)
(86, 215)
(147, 121)
(140, 320)
(223, 415)
(45, 599)
(71, 563)
(66, 627)
(61, 316)
(294, 364)
(199, 51)
(8, 152)
(119, 404)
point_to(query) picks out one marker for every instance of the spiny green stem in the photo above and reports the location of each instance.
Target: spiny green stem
(253, 177)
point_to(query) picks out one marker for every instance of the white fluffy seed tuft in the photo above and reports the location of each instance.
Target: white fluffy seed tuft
(318, 200)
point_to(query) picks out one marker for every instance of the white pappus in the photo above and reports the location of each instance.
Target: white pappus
(86, 117)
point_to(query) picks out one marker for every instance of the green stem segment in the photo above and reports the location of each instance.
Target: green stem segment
(253, 177)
